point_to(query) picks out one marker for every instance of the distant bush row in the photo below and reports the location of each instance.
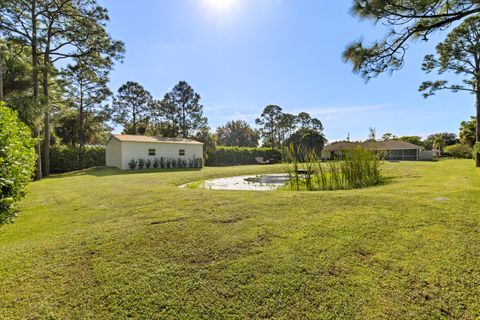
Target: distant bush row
(231, 156)
(459, 151)
(65, 158)
(165, 163)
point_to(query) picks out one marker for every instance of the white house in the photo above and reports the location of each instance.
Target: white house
(122, 148)
(394, 149)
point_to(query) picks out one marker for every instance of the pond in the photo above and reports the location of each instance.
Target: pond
(264, 182)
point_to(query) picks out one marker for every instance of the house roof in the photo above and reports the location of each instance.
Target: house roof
(377, 145)
(139, 138)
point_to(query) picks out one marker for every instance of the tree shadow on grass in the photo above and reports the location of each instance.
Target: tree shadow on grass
(110, 171)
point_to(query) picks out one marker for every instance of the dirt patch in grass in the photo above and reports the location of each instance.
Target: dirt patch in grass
(177, 219)
(228, 220)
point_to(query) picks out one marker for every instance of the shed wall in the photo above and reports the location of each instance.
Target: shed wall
(113, 153)
(139, 150)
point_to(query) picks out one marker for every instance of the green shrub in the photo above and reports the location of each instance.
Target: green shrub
(458, 151)
(141, 164)
(17, 161)
(197, 162)
(231, 156)
(166, 163)
(65, 158)
(132, 164)
(156, 163)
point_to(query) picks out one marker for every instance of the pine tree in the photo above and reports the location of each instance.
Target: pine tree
(458, 54)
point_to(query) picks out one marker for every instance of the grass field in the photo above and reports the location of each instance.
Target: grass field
(101, 244)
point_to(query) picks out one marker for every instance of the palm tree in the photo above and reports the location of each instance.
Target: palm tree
(438, 144)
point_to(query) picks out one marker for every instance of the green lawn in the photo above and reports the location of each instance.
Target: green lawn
(102, 244)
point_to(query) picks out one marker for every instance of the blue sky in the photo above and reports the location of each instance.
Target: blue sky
(246, 54)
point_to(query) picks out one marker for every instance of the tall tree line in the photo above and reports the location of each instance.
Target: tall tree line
(54, 30)
(278, 128)
(178, 114)
(237, 133)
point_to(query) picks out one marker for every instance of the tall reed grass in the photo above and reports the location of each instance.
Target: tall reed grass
(357, 168)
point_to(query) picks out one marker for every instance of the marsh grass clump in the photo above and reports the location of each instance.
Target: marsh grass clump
(357, 168)
(361, 168)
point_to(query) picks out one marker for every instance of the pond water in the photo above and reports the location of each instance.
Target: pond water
(265, 182)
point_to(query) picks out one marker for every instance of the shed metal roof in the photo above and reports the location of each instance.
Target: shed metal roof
(139, 138)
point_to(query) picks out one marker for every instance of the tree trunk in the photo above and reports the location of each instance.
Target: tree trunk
(134, 115)
(34, 51)
(46, 97)
(1, 73)
(85, 124)
(46, 139)
(80, 120)
(272, 126)
(477, 145)
(46, 143)
(184, 122)
(38, 149)
(38, 171)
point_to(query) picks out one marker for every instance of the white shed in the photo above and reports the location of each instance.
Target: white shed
(122, 149)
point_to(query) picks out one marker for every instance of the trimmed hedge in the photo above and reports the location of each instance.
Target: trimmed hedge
(17, 161)
(66, 159)
(232, 156)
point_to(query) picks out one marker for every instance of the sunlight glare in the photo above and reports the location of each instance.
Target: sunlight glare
(221, 5)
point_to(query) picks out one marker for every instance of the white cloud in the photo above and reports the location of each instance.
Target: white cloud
(245, 116)
(326, 110)
(325, 113)
(237, 115)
